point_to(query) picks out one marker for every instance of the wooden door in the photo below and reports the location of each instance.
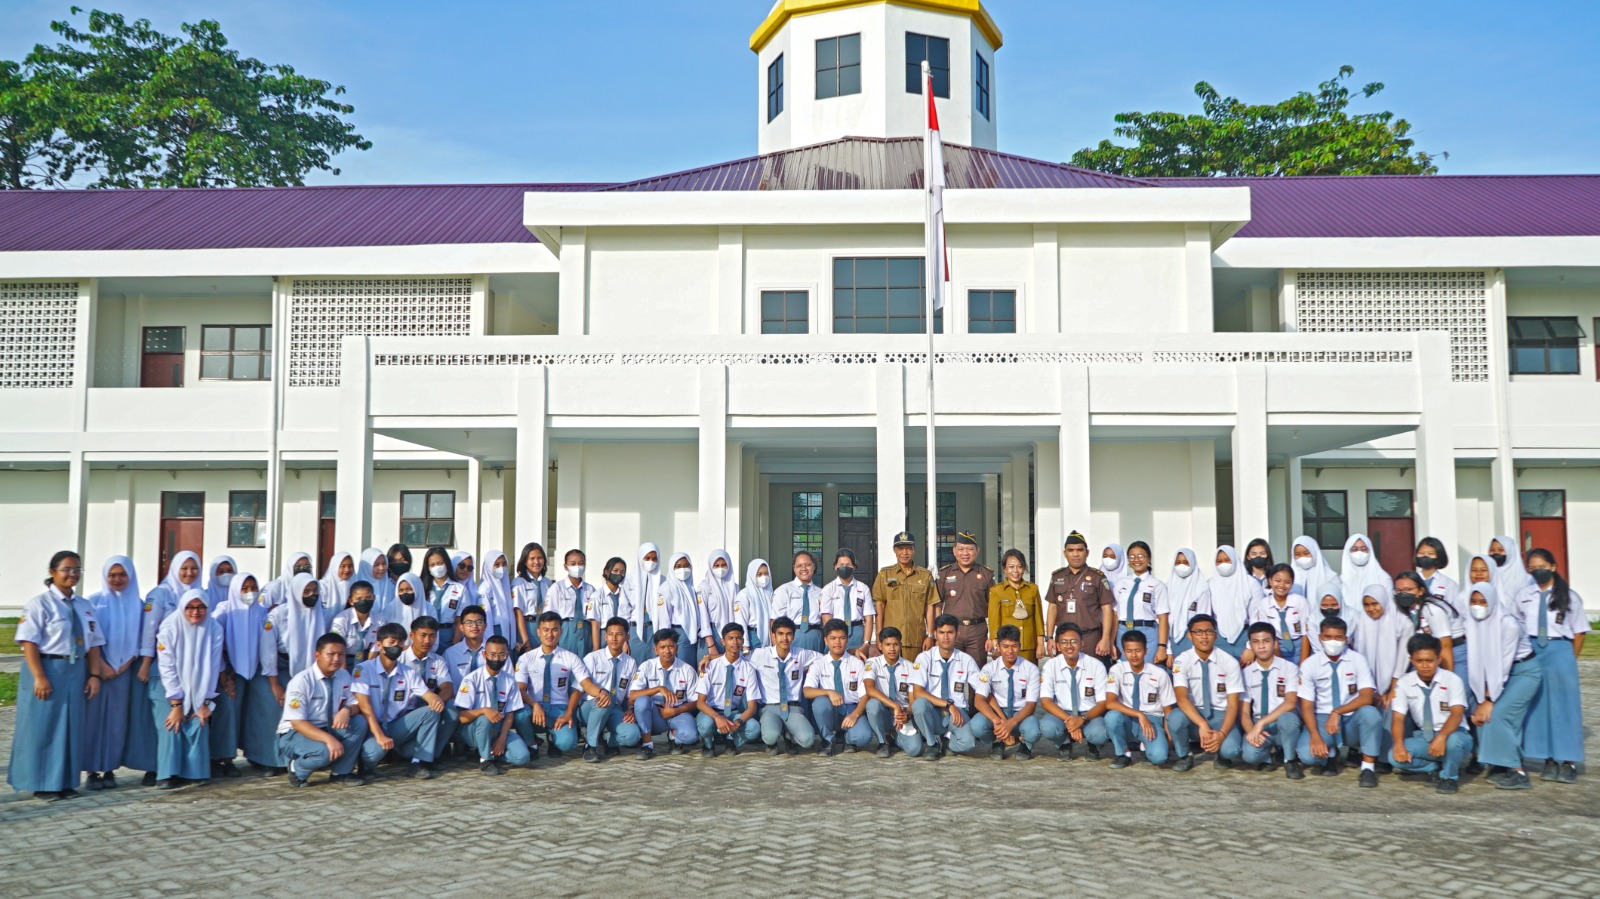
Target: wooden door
(1393, 542)
(325, 518)
(1544, 523)
(161, 363)
(179, 534)
(860, 536)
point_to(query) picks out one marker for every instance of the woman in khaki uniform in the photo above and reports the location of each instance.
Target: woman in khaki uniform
(1016, 601)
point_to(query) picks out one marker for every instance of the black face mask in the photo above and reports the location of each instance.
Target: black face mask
(1330, 613)
(1405, 601)
(363, 605)
(614, 578)
(1257, 562)
(407, 599)
(1542, 576)
(309, 602)
(494, 665)
(393, 652)
(845, 572)
(1425, 563)
(1499, 558)
(398, 567)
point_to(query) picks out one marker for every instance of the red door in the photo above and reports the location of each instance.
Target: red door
(162, 362)
(177, 535)
(1393, 540)
(1544, 523)
(325, 519)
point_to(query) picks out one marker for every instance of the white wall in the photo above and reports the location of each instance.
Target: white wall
(32, 527)
(632, 493)
(120, 322)
(1123, 278)
(1143, 491)
(652, 282)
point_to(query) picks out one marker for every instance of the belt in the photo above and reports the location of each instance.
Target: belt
(858, 622)
(1140, 623)
(1459, 641)
(51, 656)
(969, 622)
(1526, 658)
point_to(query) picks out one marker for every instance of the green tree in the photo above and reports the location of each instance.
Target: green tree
(1307, 134)
(132, 107)
(33, 151)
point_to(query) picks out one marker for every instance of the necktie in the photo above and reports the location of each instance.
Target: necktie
(1427, 707)
(1205, 687)
(1333, 682)
(838, 679)
(77, 649)
(1544, 618)
(1262, 709)
(783, 684)
(1075, 708)
(1011, 691)
(805, 604)
(1283, 624)
(944, 682)
(1131, 594)
(494, 691)
(1136, 703)
(327, 705)
(539, 585)
(727, 690)
(546, 698)
(616, 669)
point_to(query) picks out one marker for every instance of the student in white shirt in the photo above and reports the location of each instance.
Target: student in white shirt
(941, 693)
(553, 681)
(1431, 559)
(849, 599)
(609, 725)
(609, 602)
(1557, 624)
(727, 696)
(530, 594)
(402, 712)
(786, 724)
(487, 701)
(1006, 695)
(833, 686)
(466, 655)
(1142, 602)
(1422, 613)
(445, 595)
(1336, 706)
(1270, 713)
(1072, 691)
(321, 725)
(1138, 698)
(573, 597)
(1206, 684)
(357, 624)
(888, 683)
(1288, 612)
(1434, 699)
(1503, 676)
(660, 696)
(800, 601)
(717, 593)
(439, 677)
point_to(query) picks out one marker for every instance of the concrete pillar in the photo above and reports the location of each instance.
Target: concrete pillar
(1004, 536)
(1250, 506)
(469, 522)
(1294, 510)
(1436, 453)
(1047, 533)
(1073, 449)
(1017, 527)
(1203, 495)
(1259, 312)
(1043, 306)
(1286, 303)
(1503, 471)
(531, 514)
(993, 499)
(713, 454)
(353, 528)
(890, 382)
(733, 498)
(569, 497)
(77, 501)
(1197, 278)
(572, 297)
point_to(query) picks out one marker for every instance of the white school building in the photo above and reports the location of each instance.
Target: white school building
(732, 356)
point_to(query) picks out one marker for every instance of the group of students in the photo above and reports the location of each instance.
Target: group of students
(1258, 664)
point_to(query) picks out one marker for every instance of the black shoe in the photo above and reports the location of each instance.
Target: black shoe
(832, 750)
(884, 751)
(490, 768)
(533, 751)
(1184, 763)
(1569, 773)
(229, 769)
(1369, 777)
(1473, 769)
(1221, 764)
(706, 752)
(1121, 761)
(590, 755)
(1496, 776)
(436, 767)
(1328, 769)
(346, 780)
(500, 764)
(1447, 786)
(168, 783)
(149, 779)
(793, 748)
(1386, 768)
(47, 795)
(420, 771)
(645, 753)
(92, 783)
(1091, 751)
(108, 781)
(1294, 770)
(1514, 780)
(276, 772)
(296, 780)
(997, 751)
(778, 749)
(554, 752)
(1552, 771)
(731, 747)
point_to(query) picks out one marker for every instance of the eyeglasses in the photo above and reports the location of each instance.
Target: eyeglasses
(472, 622)
(465, 568)
(1068, 642)
(1205, 633)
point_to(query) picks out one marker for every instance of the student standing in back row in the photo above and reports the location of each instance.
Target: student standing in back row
(1557, 624)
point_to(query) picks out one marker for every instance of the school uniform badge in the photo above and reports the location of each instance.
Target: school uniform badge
(294, 703)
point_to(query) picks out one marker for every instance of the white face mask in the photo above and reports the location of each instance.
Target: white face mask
(1224, 569)
(1107, 563)
(1182, 570)
(649, 566)
(575, 572)
(224, 579)
(1359, 556)
(499, 571)
(1479, 613)
(1333, 648)
(681, 574)
(438, 570)
(1305, 563)
(248, 597)
(721, 571)
(763, 581)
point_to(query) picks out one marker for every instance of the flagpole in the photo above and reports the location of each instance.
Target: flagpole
(933, 270)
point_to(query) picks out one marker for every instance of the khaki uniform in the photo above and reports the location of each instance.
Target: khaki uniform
(1079, 598)
(902, 599)
(965, 594)
(1005, 604)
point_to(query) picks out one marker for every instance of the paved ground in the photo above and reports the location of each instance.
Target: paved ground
(809, 826)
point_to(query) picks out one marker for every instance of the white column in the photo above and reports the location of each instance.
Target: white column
(1047, 533)
(733, 498)
(1502, 472)
(1286, 301)
(481, 322)
(890, 383)
(1436, 452)
(1016, 536)
(77, 501)
(470, 524)
(1293, 509)
(1203, 495)
(1043, 300)
(730, 280)
(1073, 449)
(1004, 536)
(572, 296)
(713, 484)
(354, 480)
(532, 506)
(1250, 507)
(569, 496)
(992, 500)
(1259, 314)
(755, 507)
(1197, 278)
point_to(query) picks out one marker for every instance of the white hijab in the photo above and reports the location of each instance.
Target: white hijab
(174, 587)
(640, 588)
(1314, 581)
(118, 611)
(335, 592)
(757, 601)
(494, 594)
(382, 587)
(216, 594)
(306, 626)
(241, 622)
(1116, 572)
(719, 593)
(404, 614)
(1490, 659)
(1232, 596)
(197, 649)
(1511, 577)
(1182, 589)
(1357, 578)
(276, 593)
(469, 586)
(681, 594)
(1378, 639)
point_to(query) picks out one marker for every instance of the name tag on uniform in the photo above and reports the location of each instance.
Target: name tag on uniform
(1072, 606)
(399, 694)
(1283, 689)
(738, 691)
(961, 690)
(1088, 691)
(853, 685)
(1150, 698)
(561, 682)
(453, 603)
(1444, 706)
(1350, 688)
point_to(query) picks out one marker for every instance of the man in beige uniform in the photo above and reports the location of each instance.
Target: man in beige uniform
(904, 596)
(964, 593)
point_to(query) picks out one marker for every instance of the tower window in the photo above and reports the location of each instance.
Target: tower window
(936, 50)
(775, 88)
(838, 66)
(982, 85)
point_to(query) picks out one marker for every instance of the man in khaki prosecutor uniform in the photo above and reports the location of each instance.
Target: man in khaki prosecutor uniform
(905, 597)
(964, 592)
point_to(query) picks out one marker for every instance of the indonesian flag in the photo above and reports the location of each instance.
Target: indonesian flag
(938, 255)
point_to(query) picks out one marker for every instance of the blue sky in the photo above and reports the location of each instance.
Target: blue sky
(605, 90)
